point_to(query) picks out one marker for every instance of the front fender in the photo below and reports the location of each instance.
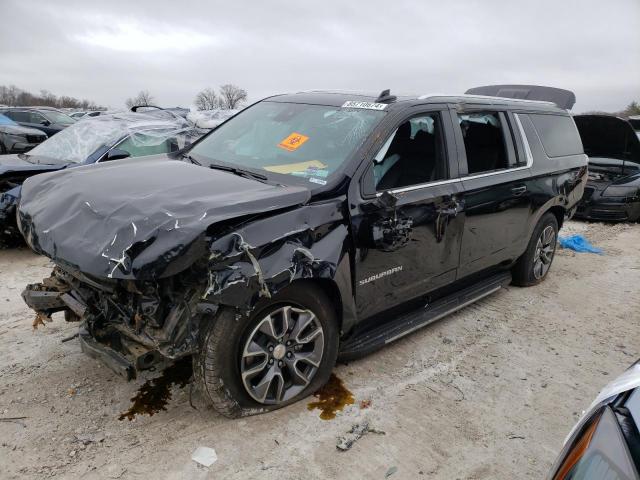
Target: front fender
(255, 261)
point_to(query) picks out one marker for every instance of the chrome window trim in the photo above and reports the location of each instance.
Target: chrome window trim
(525, 141)
(421, 185)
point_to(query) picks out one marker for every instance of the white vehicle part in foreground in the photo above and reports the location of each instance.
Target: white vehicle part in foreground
(629, 380)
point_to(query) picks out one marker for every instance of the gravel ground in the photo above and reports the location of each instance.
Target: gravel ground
(487, 393)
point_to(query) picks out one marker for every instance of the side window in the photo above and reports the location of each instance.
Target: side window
(18, 116)
(484, 141)
(143, 145)
(558, 134)
(35, 117)
(412, 155)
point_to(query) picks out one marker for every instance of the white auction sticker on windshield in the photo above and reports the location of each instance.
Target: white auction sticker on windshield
(367, 105)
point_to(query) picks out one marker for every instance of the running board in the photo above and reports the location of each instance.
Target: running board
(373, 339)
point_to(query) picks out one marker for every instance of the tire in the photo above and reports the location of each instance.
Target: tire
(532, 267)
(225, 367)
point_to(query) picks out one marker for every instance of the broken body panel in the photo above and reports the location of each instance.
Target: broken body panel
(175, 253)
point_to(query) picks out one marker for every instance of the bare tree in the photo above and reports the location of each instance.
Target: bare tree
(206, 99)
(143, 98)
(14, 96)
(632, 109)
(231, 96)
(9, 95)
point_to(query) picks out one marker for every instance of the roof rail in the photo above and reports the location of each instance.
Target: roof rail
(485, 97)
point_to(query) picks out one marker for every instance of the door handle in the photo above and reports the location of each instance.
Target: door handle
(519, 190)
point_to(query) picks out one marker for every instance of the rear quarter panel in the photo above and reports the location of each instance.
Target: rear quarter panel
(555, 181)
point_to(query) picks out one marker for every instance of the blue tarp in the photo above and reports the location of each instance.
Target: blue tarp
(579, 244)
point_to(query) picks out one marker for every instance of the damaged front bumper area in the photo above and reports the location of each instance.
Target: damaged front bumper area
(128, 325)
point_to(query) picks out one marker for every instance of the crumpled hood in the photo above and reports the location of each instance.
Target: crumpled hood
(143, 218)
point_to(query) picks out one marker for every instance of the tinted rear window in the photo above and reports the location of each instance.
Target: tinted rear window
(558, 134)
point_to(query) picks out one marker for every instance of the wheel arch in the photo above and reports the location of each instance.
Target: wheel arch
(559, 212)
(331, 289)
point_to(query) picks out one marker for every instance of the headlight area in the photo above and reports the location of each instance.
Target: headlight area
(598, 450)
(130, 326)
(22, 142)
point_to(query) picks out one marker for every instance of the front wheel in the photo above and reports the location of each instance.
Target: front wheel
(532, 267)
(279, 354)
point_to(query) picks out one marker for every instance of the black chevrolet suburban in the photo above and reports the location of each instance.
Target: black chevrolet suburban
(308, 227)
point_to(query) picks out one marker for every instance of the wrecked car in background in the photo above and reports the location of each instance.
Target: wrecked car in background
(308, 225)
(15, 138)
(613, 190)
(605, 443)
(211, 118)
(47, 119)
(90, 140)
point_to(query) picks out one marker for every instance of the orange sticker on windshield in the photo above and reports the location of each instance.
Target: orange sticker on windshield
(293, 141)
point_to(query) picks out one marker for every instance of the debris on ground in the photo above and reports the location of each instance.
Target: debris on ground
(365, 403)
(87, 438)
(357, 431)
(390, 472)
(578, 243)
(204, 456)
(17, 420)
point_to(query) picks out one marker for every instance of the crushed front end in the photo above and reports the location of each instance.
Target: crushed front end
(129, 325)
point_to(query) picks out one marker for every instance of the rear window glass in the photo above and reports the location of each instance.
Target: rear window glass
(558, 134)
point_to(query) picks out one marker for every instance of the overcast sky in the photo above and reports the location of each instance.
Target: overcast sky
(108, 51)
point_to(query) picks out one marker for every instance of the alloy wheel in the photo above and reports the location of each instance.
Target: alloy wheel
(545, 248)
(282, 355)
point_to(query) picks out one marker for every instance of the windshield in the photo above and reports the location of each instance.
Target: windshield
(307, 141)
(57, 117)
(4, 120)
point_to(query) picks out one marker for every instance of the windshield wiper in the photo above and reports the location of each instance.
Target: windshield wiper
(192, 160)
(240, 172)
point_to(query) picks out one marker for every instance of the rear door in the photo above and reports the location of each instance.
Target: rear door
(495, 172)
(408, 223)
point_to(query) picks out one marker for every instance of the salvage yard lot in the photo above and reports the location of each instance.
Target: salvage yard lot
(487, 393)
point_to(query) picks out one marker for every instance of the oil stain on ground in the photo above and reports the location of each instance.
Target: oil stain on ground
(155, 393)
(332, 398)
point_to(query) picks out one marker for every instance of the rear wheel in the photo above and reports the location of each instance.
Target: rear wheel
(532, 267)
(279, 354)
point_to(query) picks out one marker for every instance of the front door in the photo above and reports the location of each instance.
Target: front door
(408, 233)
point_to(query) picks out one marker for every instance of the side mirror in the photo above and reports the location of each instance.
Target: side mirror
(387, 200)
(46, 123)
(116, 154)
